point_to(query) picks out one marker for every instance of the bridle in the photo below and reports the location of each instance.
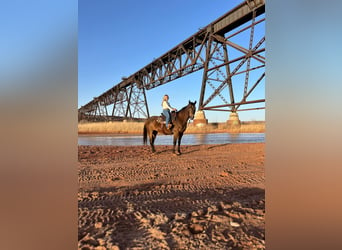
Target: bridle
(191, 111)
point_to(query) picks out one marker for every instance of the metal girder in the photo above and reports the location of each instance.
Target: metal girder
(126, 103)
(225, 59)
(207, 49)
(226, 79)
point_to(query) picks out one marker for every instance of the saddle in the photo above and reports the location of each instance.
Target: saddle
(162, 119)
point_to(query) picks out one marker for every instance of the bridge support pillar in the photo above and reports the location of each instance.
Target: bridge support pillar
(234, 120)
(200, 119)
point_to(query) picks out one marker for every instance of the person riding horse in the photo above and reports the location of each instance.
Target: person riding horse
(166, 111)
(152, 127)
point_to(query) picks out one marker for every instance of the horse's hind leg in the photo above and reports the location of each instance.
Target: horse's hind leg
(153, 136)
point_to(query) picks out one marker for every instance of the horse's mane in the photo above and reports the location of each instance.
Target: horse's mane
(183, 108)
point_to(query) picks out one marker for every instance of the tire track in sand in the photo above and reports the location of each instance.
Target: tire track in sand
(210, 197)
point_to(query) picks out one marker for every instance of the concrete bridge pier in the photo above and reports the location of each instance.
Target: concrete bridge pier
(200, 119)
(234, 120)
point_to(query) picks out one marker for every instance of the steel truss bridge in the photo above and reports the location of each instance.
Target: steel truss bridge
(227, 50)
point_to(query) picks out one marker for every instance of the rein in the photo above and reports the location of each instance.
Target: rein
(185, 109)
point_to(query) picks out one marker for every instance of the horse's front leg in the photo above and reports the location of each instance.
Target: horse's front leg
(179, 141)
(175, 137)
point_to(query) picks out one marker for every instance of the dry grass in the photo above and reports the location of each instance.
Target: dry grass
(137, 128)
(110, 127)
(245, 127)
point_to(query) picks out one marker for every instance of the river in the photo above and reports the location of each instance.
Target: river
(188, 139)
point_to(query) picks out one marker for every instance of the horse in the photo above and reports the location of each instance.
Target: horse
(152, 126)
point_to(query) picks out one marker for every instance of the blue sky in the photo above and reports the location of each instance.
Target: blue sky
(118, 38)
(31, 33)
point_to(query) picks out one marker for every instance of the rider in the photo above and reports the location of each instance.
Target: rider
(166, 111)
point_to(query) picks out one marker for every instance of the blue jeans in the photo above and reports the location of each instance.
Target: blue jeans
(167, 114)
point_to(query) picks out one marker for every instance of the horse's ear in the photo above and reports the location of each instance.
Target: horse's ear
(189, 102)
(195, 102)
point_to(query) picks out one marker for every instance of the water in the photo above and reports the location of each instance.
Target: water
(188, 139)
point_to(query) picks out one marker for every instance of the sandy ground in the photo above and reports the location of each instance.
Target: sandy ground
(210, 197)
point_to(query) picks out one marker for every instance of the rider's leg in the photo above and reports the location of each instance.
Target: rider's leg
(166, 112)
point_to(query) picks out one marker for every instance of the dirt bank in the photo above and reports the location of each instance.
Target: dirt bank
(210, 197)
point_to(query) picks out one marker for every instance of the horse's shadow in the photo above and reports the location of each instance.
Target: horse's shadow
(190, 149)
(218, 145)
(183, 152)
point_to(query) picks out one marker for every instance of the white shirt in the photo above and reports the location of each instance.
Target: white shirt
(166, 105)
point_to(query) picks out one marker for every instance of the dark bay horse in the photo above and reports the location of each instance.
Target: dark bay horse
(152, 126)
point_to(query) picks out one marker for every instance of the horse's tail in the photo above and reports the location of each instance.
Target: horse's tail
(145, 134)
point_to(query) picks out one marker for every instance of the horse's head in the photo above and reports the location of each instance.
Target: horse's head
(192, 109)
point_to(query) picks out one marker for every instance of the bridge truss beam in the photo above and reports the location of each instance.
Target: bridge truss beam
(208, 49)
